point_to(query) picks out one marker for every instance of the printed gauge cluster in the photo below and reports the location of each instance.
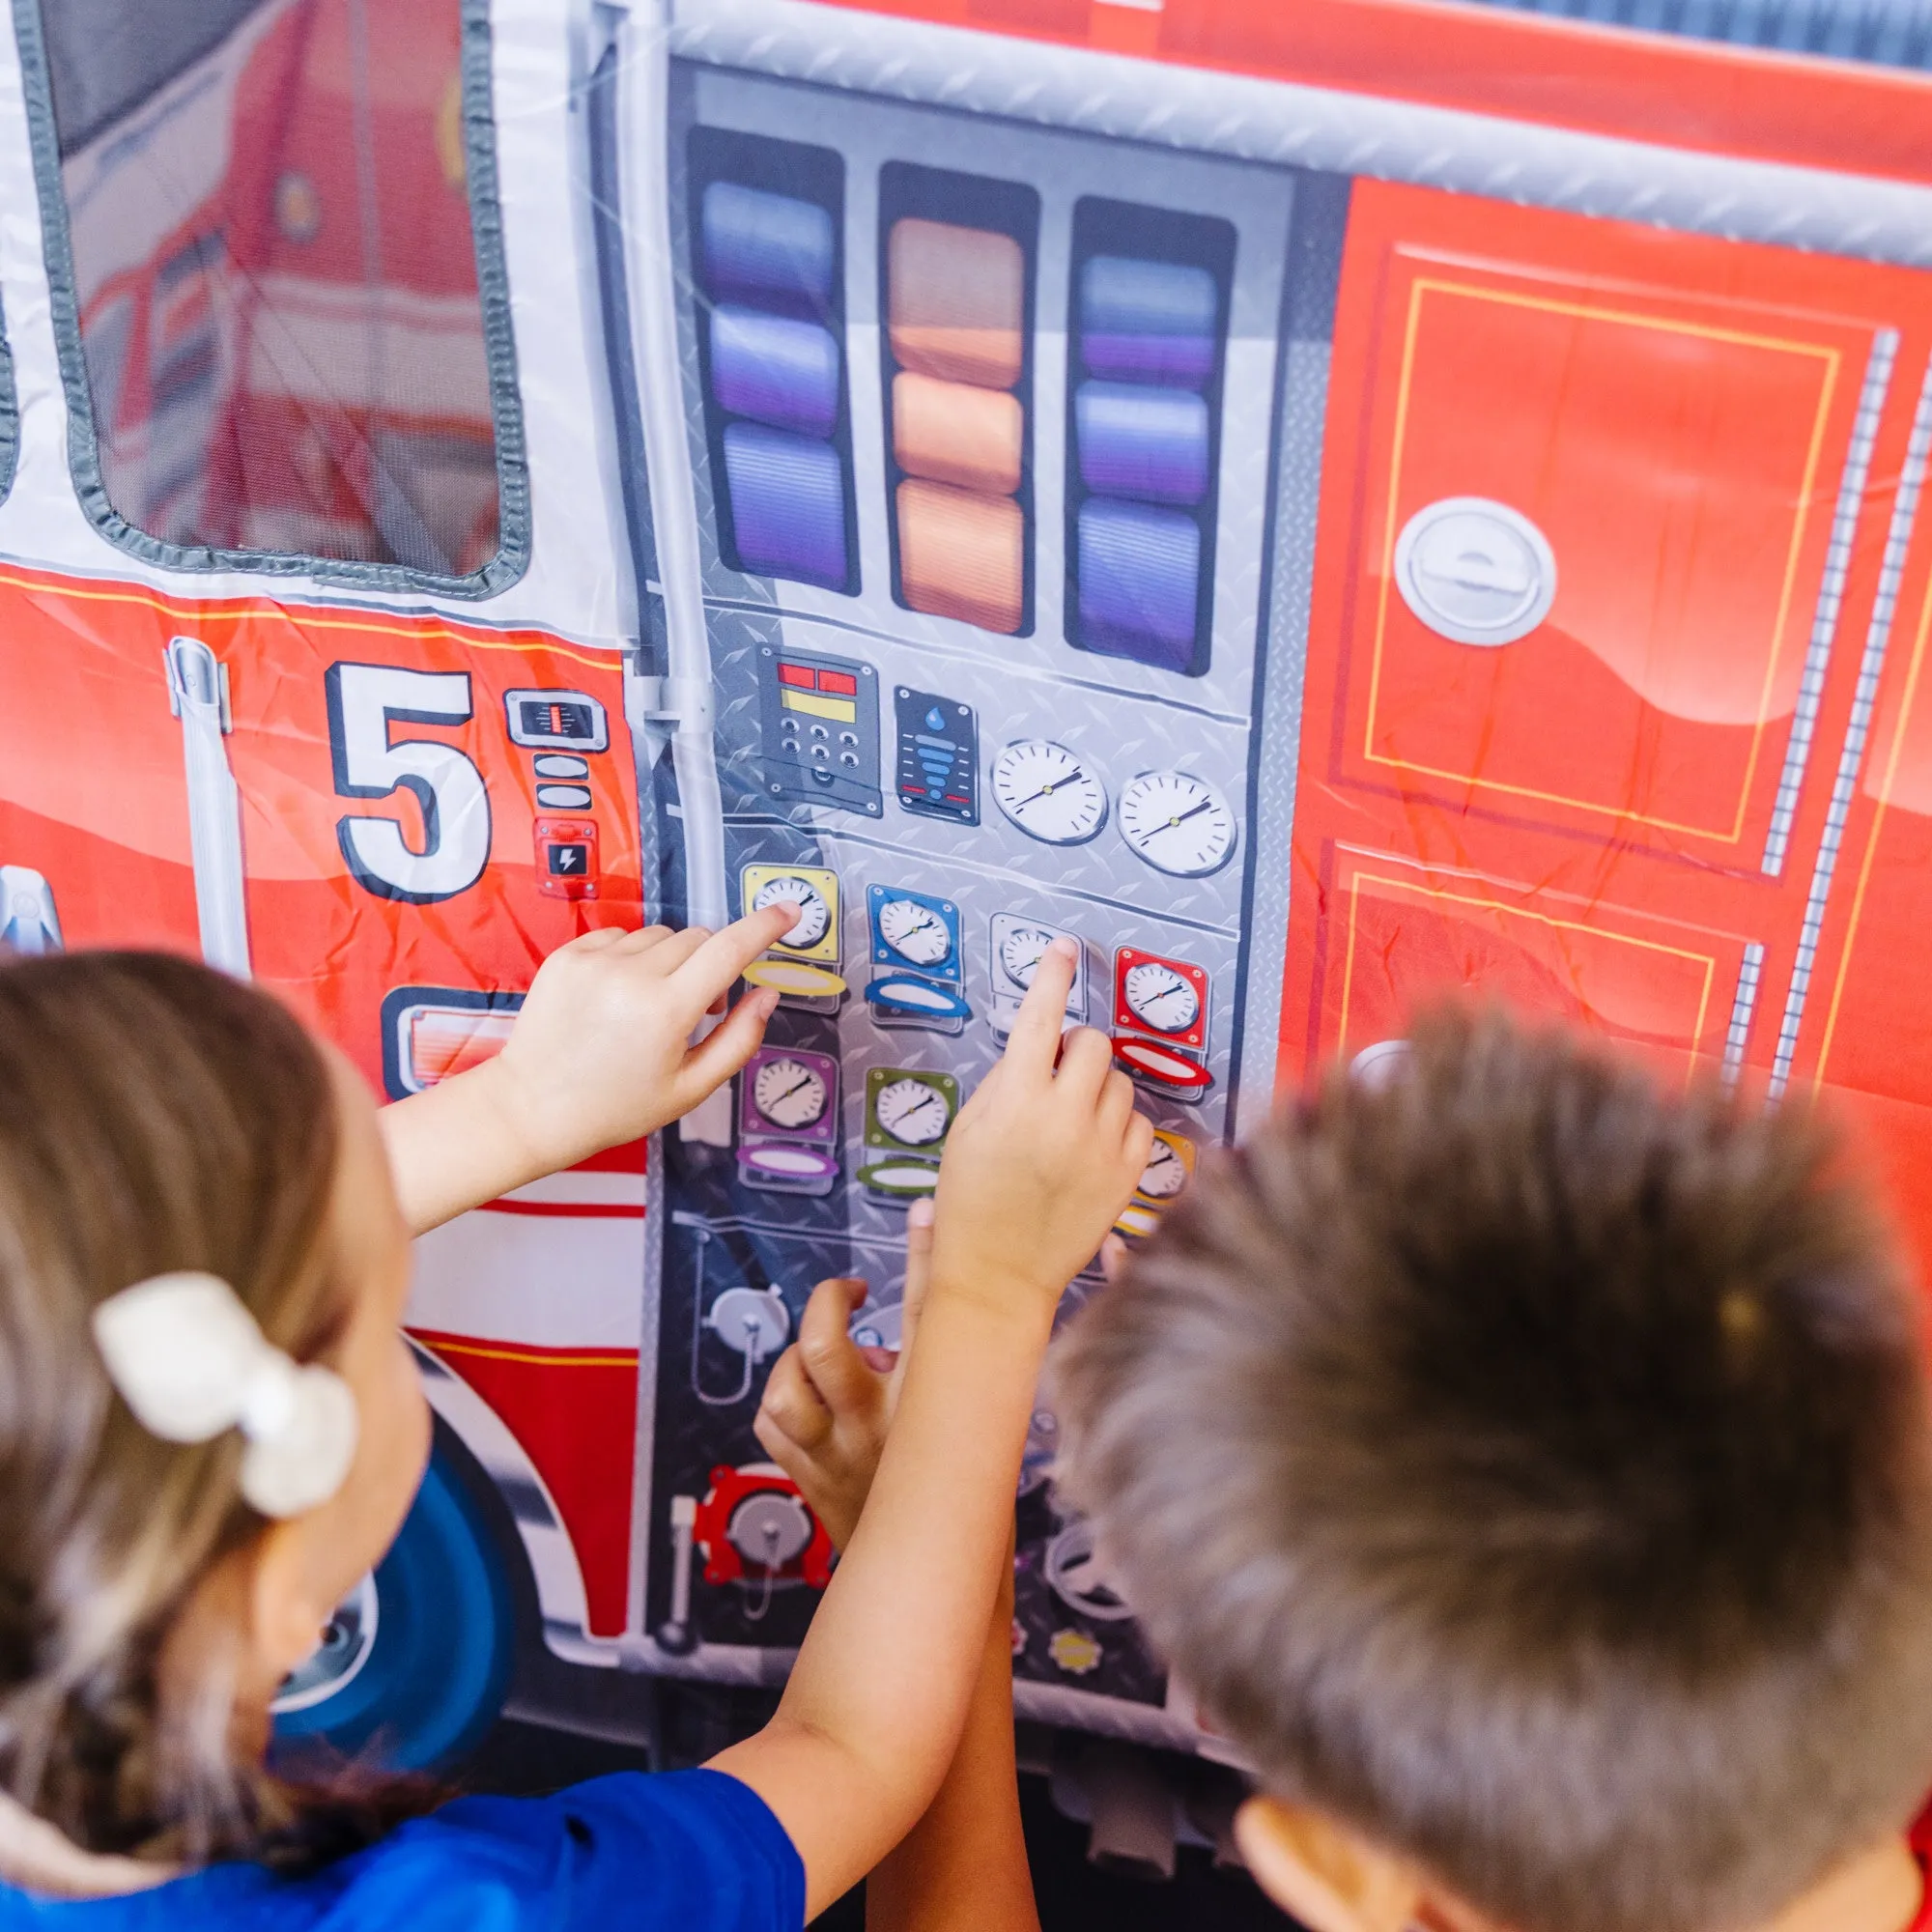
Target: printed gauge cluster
(921, 968)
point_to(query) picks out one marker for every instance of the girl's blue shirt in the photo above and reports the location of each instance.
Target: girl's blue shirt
(690, 1850)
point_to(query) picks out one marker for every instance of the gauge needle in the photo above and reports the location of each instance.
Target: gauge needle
(1192, 811)
(1046, 791)
(920, 1107)
(796, 1086)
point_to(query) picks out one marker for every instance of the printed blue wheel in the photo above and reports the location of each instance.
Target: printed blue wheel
(414, 1665)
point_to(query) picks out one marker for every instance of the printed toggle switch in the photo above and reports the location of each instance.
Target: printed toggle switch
(566, 852)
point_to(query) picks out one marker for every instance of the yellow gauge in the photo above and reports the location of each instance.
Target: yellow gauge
(795, 976)
(814, 891)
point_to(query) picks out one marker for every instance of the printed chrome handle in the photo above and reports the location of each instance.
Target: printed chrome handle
(198, 696)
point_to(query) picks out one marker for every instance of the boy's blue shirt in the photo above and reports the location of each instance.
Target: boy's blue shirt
(691, 1851)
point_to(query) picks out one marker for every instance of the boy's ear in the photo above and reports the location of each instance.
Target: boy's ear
(1324, 1875)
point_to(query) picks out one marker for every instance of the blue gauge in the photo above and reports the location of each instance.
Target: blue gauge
(906, 996)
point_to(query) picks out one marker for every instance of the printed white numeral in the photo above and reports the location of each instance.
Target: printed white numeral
(365, 701)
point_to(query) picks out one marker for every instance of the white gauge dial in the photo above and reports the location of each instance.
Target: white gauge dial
(915, 933)
(1159, 997)
(1048, 792)
(1178, 823)
(913, 1113)
(789, 1094)
(1165, 1174)
(813, 913)
(1020, 952)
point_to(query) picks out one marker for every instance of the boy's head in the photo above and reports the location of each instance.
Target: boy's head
(1532, 1474)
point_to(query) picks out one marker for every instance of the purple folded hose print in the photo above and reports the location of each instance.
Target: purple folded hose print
(775, 369)
(771, 250)
(1147, 322)
(1140, 576)
(1147, 444)
(787, 496)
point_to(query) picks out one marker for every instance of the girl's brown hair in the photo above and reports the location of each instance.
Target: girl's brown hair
(153, 1115)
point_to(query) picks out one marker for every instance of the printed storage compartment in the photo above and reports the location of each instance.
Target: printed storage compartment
(768, 217)
(957, 270)
(1146, 323)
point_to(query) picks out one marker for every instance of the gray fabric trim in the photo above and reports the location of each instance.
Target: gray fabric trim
(1293, 123)
(513, 481)
(1883, 33)
(9, 414)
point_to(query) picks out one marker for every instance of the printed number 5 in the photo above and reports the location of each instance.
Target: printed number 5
(363, 702)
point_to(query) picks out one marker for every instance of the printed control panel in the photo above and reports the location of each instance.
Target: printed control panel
(971, 701)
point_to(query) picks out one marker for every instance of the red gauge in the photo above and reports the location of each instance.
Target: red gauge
(1151, 1061)
(1167, 997)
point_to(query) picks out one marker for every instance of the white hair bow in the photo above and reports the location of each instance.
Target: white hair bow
(193, 1363)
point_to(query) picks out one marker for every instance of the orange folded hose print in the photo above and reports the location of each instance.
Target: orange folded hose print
(962, 555)
(954, 433)
(956, 302)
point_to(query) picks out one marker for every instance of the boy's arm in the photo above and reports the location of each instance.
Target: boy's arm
(1038, 1166)
(824, 1419)
(601, 1054)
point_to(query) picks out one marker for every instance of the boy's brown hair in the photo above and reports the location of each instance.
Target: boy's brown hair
(1533, 1472)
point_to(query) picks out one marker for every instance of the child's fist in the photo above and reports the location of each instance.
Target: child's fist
(828, 1402)
(1043, 1158)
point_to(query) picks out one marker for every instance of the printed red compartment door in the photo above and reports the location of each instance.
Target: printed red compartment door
(1582, 562)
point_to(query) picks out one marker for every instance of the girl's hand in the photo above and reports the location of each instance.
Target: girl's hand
(828, 1402)
(1041, 1159)
(602, 1051)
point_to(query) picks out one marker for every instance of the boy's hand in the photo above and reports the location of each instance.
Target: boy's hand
(1041, 1161)
(601, 1053)
(828, 1402)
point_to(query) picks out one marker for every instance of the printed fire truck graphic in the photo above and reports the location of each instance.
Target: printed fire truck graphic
(478, 482)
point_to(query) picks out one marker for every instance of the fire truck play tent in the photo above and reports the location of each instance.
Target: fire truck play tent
(1324, 503)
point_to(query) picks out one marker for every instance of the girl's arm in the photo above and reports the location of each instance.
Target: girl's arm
(601, 1054)
(1038, 1166)
(826, 1409)
(963, 1866)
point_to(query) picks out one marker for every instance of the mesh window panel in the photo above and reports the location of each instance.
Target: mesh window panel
(274, 276)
